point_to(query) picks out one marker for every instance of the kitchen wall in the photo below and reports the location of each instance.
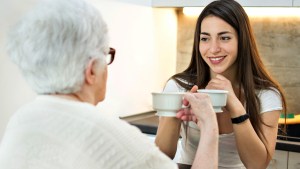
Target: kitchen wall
(278, 40)
(145, 43)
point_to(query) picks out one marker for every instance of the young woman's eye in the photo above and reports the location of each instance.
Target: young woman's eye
(204, 39)
(225, 38)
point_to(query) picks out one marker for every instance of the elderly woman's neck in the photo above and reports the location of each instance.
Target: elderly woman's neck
(80, 97)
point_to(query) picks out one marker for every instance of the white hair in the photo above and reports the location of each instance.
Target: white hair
(53, 44)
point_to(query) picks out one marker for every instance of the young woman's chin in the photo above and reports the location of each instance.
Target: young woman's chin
(218, 70)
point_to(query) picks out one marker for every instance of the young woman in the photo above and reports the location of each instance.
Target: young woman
(225, 56)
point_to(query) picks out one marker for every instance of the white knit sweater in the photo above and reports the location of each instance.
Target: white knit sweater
(54, 133)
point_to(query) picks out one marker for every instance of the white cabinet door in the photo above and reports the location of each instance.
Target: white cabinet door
(294, 160)
(187, 3)
(179, 3)
(296, 3)
(279, 161)
(278, 3)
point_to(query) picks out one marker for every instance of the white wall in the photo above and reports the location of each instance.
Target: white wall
(145, 43)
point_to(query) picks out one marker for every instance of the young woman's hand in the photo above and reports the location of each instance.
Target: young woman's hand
(222, 83)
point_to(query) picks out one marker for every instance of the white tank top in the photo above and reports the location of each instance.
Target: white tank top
(228, 154)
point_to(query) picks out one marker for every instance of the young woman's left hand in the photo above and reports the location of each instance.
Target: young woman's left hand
(222, 83)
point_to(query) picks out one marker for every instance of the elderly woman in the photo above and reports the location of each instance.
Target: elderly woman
(61, 48)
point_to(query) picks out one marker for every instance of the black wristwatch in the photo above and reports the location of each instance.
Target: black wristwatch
(239, 119)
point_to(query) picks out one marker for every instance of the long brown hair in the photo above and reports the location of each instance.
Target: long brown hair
(252, 74)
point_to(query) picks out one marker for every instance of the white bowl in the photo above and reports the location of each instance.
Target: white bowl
(167, 104)
(217, 97)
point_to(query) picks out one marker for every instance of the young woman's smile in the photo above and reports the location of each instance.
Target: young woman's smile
(216, 59)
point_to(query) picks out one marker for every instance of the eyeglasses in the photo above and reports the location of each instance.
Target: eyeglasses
(111, 56)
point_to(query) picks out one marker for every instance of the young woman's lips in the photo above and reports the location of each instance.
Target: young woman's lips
(216, 60)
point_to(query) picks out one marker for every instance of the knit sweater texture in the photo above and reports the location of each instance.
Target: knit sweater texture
(55, 133)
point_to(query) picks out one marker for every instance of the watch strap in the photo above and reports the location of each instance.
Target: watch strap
(239, 119)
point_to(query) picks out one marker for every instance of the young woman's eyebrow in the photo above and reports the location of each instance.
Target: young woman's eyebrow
(205, 33)
(220, 33)
(225, 32)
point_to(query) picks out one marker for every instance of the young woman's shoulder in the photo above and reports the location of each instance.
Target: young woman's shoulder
(270, 100)
(173, 86)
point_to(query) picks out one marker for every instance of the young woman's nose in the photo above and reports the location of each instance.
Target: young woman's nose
(215, 46)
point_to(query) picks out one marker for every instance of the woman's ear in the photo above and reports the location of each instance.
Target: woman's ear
(90, 72)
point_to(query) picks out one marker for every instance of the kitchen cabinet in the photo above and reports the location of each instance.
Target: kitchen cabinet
(285, 160)
(270, 3)
(179, 3)
(279, 161)
(294, 160)
(187, 3)
(296, 3)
